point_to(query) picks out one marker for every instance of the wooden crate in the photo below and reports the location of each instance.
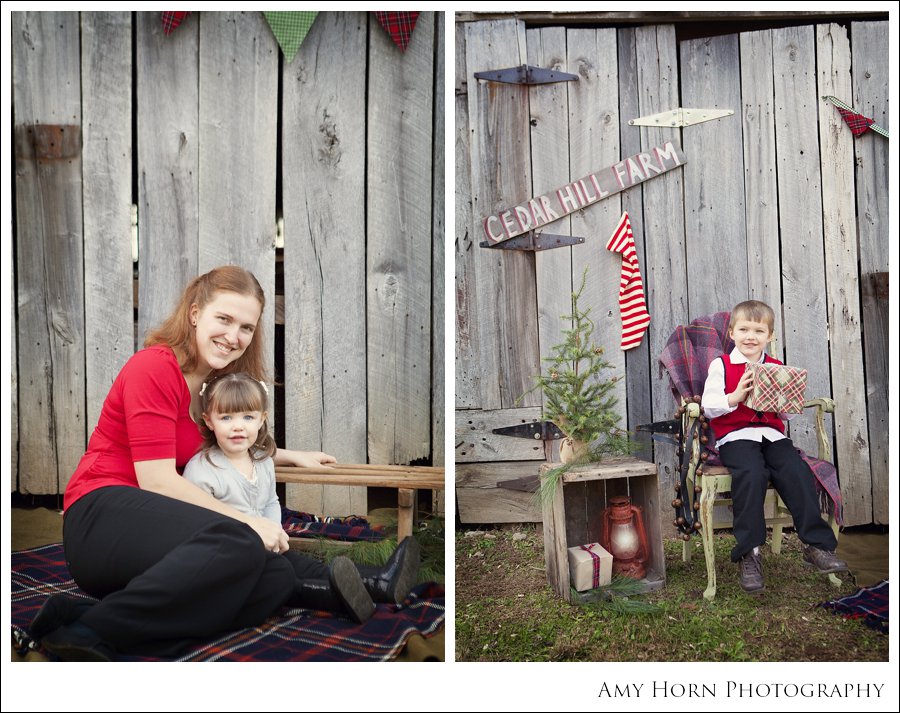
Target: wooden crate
(573, 516)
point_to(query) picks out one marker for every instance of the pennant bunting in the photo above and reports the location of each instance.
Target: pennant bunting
(171, 21)
(399, 25)
(858, 123)
(290, 29)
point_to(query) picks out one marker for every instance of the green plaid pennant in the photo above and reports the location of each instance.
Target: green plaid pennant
(290, 29)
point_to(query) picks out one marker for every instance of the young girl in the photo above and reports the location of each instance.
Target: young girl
(235, 466)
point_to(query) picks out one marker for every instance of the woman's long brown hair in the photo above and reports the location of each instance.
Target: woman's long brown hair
(178, 333)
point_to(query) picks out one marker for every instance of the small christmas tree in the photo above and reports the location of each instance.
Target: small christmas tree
(577, 399)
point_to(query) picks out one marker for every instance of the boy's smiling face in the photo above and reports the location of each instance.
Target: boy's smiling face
(751, 338)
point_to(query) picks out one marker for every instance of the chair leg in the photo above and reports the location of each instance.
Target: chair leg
(835, 528)
(686, 551)
(709, 487)
(777, 532)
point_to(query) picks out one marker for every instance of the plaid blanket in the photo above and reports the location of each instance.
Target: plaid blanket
(686, 358)
(869, 604)
(293, 635)
(353, 528)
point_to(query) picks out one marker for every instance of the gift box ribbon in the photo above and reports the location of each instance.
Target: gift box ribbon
(596, 558)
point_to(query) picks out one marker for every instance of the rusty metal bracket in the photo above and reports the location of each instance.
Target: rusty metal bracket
(537, 430)
(47, 142)
(526, 484)
(526, 74)
(532, 240)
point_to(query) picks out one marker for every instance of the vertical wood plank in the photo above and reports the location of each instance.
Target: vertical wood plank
(398, 255)
(50, 290)
(800, 217)
(870, 96)
(594, 143)
(549, 119)
(508, 354)
(715, 229)
(665, 274)
(842, 277)
(168, 172)
(760, 183)
(468, 388)
(438, 241)
(238, 130)
(556, 555)
(106, 155)
(638, 359)
(14, 393)
(323, 175)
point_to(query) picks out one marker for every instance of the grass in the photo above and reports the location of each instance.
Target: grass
(506, 611)
(429, 532)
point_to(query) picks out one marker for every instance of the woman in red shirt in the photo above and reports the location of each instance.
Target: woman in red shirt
(170, 563)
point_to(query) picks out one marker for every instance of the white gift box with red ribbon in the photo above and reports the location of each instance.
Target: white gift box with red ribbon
(590, 566)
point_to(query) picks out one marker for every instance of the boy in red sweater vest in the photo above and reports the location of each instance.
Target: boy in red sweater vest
(753, 446)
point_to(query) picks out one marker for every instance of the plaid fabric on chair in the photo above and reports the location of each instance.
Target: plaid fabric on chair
(293, 635)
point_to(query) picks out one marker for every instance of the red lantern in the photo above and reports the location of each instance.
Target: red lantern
(623, 535)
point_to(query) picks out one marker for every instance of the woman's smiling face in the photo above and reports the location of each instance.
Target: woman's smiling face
(224, 328)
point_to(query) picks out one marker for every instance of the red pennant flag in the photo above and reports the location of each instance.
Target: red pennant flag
(858, 123)
(171, 20)
(399, 26)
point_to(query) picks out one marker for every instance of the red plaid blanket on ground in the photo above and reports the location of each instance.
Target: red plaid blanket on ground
(869, 604)
(352, 529)
(293, 635)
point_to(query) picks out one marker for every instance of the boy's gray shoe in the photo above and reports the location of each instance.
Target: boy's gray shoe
(824, 561)
(750, 566)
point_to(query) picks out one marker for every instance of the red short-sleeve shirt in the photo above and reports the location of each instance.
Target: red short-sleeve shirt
(146, 416)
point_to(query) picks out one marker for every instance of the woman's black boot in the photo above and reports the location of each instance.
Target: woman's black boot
(342, 593)
(58, 610)
(394, 581)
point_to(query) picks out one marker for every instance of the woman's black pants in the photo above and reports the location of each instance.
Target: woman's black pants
(168, 573)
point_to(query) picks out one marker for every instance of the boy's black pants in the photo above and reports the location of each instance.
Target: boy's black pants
(752, 465)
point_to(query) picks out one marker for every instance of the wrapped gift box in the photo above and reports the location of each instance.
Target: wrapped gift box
(776, 388)
(590, 566)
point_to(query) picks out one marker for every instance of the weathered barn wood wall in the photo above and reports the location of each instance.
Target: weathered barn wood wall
(210, 137)
(777, 202)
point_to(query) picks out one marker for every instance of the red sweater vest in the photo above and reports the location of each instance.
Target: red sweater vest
(742, 416)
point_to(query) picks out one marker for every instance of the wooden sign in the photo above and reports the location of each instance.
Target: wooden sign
(581, 193)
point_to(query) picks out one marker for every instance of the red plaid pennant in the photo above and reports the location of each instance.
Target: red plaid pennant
(171, 20)
(399, 26)
(596, 562)
(858, 123)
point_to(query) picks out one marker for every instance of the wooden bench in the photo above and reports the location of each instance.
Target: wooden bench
(405, 478)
